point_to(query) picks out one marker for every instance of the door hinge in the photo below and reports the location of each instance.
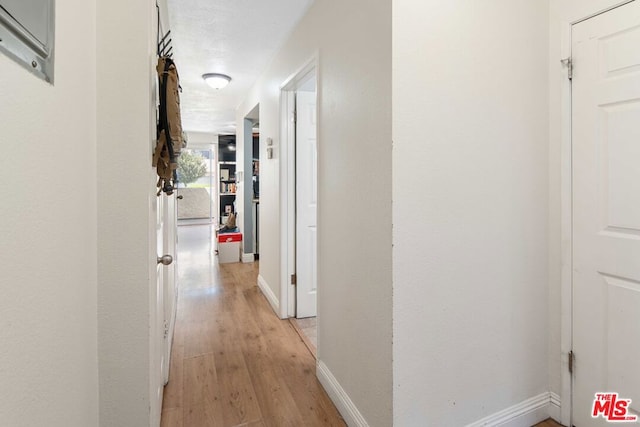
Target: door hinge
(294, 279)
(166, 329)
(571, 361)
(568, 62)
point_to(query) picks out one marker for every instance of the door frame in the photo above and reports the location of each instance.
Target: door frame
(566, 212)
(287, 179)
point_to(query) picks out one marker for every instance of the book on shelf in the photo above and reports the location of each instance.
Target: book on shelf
(228, 187)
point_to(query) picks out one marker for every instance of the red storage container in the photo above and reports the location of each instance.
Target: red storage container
(229, 237)
(229, 247)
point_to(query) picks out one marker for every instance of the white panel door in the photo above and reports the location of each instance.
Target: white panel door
(306, 204)
(606, 211)
(169, 231)
(158, 360)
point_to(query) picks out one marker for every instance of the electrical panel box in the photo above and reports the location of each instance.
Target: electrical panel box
(27, 34)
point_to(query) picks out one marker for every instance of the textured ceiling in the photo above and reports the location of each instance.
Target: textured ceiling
(234, 37)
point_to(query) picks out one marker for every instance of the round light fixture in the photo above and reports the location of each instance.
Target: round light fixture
(215, 80)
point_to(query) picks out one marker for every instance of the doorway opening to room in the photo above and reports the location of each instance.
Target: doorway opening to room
(196, 185)
(251, 185)
(300, 226)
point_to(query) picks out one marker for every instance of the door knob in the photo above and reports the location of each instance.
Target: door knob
(165, 259)
(180, 197)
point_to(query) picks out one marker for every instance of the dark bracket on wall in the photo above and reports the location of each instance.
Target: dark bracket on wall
(165, 48)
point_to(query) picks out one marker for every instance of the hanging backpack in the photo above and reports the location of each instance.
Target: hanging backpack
(170, 140)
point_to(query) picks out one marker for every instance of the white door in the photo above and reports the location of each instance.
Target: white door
(157, 331)
(169, 231)
(165, 298)
(606, 210)
(306, 204)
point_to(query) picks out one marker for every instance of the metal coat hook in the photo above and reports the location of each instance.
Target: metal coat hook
(165, 46)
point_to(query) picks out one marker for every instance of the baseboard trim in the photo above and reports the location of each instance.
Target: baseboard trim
(527, 413)
(248, 258)
(268, 293)
(554, 407)
(340, 398)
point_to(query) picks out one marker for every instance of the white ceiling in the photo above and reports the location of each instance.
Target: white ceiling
(234, 37)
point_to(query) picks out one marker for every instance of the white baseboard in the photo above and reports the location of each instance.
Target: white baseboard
(268, 293)
(340, 398)
(554, 407)
(248, 258)
(524, 414)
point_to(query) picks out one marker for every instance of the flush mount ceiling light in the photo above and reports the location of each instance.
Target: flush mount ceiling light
(215, 80)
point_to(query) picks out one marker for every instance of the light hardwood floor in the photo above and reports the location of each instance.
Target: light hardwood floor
(548, 423)
(234, 363)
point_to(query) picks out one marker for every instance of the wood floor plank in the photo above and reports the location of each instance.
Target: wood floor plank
(173, 390)
(234, 362)
(239, 398)
(270, 378)
(258, 423)
(204, 330)
(201, 393)
(277, 403)
(548, 423)
(296, 368)
(172, 417)
(201, 414)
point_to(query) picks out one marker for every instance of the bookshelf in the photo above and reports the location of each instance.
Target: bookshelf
(227, 187)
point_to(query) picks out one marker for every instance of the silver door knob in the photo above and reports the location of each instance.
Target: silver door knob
(165, 259)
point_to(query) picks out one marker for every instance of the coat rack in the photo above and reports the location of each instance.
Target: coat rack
(165, 47)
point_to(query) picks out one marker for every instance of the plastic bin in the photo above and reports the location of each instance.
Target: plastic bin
(229, 247)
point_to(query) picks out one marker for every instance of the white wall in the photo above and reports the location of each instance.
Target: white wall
(354, 168)
(126, 206)
(48, 344)
(470, 213)
(201, 139)
(562, 14)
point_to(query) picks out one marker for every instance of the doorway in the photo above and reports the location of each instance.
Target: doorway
(606, 214)
(196, 179)
(251, 186)
(299, 289)
(306, 215)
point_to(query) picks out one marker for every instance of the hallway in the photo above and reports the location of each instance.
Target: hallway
(234, 363)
